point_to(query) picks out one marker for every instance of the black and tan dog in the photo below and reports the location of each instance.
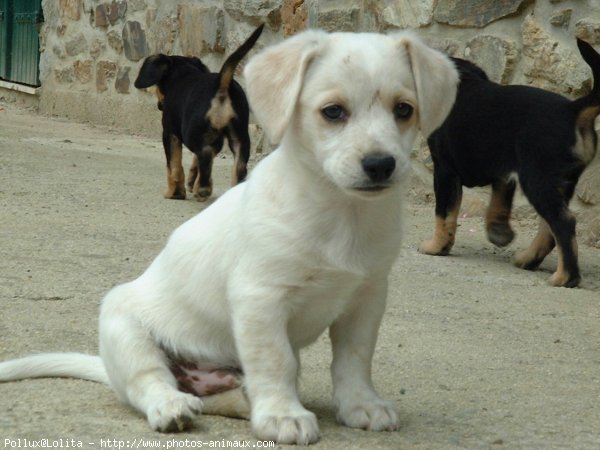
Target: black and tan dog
(199, 110)
(499, 135)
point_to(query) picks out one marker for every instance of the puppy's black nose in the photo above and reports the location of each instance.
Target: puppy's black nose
(378, 167)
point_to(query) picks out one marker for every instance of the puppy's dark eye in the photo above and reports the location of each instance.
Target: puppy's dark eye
(334, 113)
(403, 111)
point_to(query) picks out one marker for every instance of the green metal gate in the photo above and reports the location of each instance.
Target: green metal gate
(4, 22)
(19, 40)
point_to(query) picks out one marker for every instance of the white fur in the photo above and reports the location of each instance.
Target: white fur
(293, 251)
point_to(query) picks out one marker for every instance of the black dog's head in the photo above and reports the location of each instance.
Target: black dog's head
(158, 69)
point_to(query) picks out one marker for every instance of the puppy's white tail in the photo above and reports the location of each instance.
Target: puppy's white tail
(70, 365)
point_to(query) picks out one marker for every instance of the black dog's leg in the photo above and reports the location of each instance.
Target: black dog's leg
(203, 185)
(193, 173)
(497, 217)
(448, 196)
(239, 144)
(552, 206)
(567, 273)
(175, 174)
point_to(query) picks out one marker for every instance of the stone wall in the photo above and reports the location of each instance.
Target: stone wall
(92, 49)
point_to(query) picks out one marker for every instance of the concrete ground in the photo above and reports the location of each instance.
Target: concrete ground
(476, 353)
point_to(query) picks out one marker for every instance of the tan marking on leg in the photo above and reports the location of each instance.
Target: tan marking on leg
(232, 403)
(586, 139)
(236, 159)
(160, 97)
(561, 276)
(539, 248)
(236, 146)
(192, 174)
(444, 234)
(175, 175)
(196, 186)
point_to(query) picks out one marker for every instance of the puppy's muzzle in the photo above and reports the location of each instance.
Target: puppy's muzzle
(379, 168)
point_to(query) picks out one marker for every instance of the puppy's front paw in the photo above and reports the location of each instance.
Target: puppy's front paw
(374, 414)
(299, 427)
(174, 413)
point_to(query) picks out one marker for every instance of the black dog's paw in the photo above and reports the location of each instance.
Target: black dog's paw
(203, 194)
(500, 234)
(177, 194)
(526, 259)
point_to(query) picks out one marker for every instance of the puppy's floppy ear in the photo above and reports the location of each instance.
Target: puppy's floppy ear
(274, 79)
(436, 80)
(152, 71)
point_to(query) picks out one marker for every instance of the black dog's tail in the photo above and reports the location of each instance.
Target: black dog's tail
(228, 69)
(587, 108)
(592, 58)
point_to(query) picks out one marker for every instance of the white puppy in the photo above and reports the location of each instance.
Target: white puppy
(321, 228)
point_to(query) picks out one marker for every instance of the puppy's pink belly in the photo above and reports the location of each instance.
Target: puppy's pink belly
(204, 379)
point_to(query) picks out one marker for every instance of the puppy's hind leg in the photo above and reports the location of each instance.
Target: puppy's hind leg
(175, 174)
(239, 145)
(193, 173)
(448, 196)
(562, 224)
(497, 217)
(232, 403)
(203, 185)
(138, 369)
(551, 203)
